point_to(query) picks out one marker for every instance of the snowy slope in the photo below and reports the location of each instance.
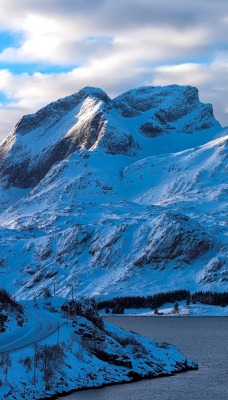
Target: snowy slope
(115, 195)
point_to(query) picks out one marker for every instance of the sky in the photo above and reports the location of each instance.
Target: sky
(53, 48)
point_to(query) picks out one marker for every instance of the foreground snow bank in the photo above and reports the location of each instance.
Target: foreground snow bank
(86, 352)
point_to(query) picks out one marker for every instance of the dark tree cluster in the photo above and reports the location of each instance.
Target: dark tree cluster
(153, 302)
(118, 304)
(8, 304)
(6, 301)
(3, 320)
(75, 308)
(212, 298)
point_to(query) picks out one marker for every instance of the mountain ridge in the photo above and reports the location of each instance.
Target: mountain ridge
(114, 194)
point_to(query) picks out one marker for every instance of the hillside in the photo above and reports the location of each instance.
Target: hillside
(56, 352)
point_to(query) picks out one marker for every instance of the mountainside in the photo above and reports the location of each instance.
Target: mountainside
(115, 196)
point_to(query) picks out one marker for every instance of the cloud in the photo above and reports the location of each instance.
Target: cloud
(183, 74)
(118, 16)
(53, 42)
(30, 92)
(56, 31)
(114, 45)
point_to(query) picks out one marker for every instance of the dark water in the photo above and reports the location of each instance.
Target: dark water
(202, 339)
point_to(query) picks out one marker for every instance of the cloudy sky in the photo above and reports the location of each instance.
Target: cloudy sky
(52, 48)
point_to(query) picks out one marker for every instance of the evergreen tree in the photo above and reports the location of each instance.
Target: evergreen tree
(176, 308)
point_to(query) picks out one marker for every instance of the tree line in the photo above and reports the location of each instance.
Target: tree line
(118, 304)
(212, 298)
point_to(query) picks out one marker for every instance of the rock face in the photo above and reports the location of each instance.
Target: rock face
(175, 237)
(166, 109)
(110, 194)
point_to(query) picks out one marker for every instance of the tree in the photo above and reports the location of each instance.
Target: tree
(50, 359)
(46, 293)
(176, 308)
(118, 309)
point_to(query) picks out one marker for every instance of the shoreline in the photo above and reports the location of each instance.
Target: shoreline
(124, 382)
(167, 310)
(160, 316)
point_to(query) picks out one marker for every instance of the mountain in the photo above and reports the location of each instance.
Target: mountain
(122, 196)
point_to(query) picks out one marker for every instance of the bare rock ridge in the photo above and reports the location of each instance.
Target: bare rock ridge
(111, 195)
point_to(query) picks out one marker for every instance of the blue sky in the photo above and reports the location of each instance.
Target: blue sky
(49, 49)
(8, 39)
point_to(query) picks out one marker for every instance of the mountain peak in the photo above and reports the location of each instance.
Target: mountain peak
(180, 99)
(95, 92)
(57, 109)
(146, 120)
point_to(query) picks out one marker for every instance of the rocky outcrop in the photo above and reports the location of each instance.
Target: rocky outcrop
(175, 237)
(216, 269)
(166, 109)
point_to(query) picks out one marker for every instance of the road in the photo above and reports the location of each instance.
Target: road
(39, 326)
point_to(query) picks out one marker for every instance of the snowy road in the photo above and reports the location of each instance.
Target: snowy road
(40, 326)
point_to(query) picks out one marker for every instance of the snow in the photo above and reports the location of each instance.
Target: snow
(117, 212)
(38, 326)
(91, 356)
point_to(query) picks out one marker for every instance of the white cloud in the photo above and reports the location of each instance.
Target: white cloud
(114, 45)
(28, 93)
(183, 74)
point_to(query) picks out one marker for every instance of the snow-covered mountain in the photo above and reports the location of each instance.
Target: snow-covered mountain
(123, 196)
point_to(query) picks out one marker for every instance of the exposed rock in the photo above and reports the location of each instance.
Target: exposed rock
(175, 237)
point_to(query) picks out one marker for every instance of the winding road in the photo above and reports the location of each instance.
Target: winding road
(40, 326)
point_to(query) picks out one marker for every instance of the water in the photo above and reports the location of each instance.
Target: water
(202, 339)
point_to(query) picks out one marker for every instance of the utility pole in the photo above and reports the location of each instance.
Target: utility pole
(58, 333)
(35, 355)
(72, 293)
(72, 302)
(7, 366)
(95, 303)
(75, 311)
